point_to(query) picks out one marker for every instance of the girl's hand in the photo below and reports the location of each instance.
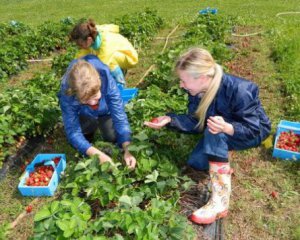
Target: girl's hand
(104, 158)
(159, 122)
(101, 155)
(217, 124)
(129, 160)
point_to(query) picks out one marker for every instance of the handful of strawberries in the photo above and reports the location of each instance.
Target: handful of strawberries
(41, 175)
(289, 141)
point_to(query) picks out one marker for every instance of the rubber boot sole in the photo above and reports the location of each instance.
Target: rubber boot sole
(200, 220)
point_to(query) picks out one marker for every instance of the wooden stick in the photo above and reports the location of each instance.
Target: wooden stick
(39, 60)
(169, 37)
(22, 215)
(153, 65)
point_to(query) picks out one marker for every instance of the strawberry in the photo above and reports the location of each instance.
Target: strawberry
(289, 141)
(154, 120)
(28, 209)
(274, 194)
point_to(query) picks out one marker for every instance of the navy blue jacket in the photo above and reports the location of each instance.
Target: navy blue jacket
(237, 101)
(110, 103)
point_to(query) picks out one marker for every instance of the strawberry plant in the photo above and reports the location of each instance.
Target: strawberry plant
(21, 43)
(158, 221)
(140, 27)
(64, 219)
(209, 31)
(27, 111)
(61, 62)
(13, 28)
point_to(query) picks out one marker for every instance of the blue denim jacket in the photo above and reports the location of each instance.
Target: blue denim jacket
(110, 103)
(237, 101)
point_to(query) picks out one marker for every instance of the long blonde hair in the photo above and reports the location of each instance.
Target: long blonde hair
(84, 81)
(196, 62)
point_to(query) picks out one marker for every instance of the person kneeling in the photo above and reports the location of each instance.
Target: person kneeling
(89, 99)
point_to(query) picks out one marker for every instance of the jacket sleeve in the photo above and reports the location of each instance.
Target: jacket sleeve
(183, 122)
(117, 111)
(246, 122)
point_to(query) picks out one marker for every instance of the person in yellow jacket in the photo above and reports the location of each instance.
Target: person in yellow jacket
(108, 45)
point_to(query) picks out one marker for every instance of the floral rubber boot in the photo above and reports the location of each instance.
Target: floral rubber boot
(217, 206)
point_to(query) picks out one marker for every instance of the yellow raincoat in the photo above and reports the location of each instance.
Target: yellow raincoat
(115, 50)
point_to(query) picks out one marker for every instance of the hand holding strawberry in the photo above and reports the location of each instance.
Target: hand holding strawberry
(158, 122)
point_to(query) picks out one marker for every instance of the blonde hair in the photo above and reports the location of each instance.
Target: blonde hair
(197, 62)
(84, 81)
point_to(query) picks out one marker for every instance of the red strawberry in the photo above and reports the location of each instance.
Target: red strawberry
(154, 120)
(274, 194)
(28, 209)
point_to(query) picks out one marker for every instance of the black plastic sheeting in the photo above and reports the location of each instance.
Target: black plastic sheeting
(196, 197)
(215, 230)
(30, 146)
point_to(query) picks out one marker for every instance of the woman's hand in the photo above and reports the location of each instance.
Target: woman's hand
(159, 122)
(217, 124)
(101, 155)
(129, 159)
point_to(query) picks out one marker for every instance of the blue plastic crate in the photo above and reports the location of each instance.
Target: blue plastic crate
(128, 93)
(49, 190)
(208, 10)
(286, 126)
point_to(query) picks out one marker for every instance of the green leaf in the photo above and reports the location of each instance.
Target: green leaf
(125, 200)
(63, 224)
(107, 225)
(152, 177)
(54, 207)
(118, 237)
(68, 233)
(142, 136)
(80, 166)
(5, 109)
(42, 214)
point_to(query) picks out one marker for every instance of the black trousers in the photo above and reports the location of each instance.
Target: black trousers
(104, 124)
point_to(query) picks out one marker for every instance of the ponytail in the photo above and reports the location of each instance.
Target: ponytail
(209, 96)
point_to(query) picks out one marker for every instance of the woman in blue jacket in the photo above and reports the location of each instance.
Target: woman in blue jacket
(89, 99)
(228, 111)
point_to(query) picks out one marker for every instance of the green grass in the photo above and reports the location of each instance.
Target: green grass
(34, 12)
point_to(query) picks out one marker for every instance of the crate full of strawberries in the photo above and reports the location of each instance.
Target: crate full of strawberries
(287, 141)
(42, 175)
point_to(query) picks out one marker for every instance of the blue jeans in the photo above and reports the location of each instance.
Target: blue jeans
(217, 145)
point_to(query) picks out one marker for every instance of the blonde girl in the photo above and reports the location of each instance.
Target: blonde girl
(228, 111)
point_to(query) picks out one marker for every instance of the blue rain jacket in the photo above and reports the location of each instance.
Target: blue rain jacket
(237, 101)
(110, 103)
